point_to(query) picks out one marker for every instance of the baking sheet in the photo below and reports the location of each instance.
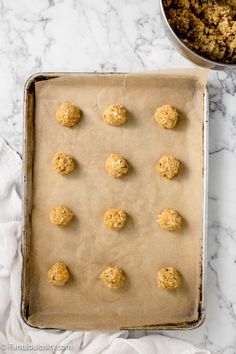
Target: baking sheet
(141, 248)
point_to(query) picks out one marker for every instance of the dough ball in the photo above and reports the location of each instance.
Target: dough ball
(167, 116)
(115, 115)
(168, 166)
(170, 220)
(168, 278)
(58, 274)
(116, 165)
(113, 277)
(115, 218)
(68, 115)
(63, 164)
(61, 216)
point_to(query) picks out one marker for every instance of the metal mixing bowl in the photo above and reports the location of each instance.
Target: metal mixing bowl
(188, 53)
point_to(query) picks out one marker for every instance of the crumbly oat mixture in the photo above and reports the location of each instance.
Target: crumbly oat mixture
(61, 216)
(166, 116)
(68, 115)
(58, 274)
(63, 164)
(208, 27)
(168, 167)
(116, 165)
(115, 218)
(170, 220)
(113, 277)
(115, 115)
(168, 278)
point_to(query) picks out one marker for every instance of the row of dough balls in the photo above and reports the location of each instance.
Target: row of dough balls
(117, 166)
(68, 115)
(114, 277)
(169, 219)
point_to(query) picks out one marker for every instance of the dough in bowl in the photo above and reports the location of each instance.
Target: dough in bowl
(168, 278)
(63, 164)
(113, 277)
(167, 116)
(115, 218)
(58, 274)
(170, 220)
(168, 167)
(116, 165)
(68, 115)
(115, 115)
(61, 216)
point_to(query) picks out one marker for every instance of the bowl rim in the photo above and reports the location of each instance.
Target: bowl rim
(209, 61)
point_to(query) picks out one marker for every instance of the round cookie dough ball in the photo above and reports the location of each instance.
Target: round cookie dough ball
(63, 164)
(61, 216)
(115, 115)
(115, 218)
(58, 274)
(68, 115)
(168, 166)
(166, 116)
(168, 278)
(116, 165)
(170, 220)
(113, 277)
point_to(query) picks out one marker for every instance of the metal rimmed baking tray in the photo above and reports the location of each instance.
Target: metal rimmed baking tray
(27, 308)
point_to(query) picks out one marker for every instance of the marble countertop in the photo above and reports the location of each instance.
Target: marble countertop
(127, 35)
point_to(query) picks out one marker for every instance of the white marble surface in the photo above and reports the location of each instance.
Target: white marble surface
(127, 35)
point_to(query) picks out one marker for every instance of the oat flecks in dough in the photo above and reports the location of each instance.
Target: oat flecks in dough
(168, 278)
(58, 274)
(167, 116)
(61, 216)
(116, 165)
(115, 218)
(68, 115)
(170, 220)
(168, 167)
(113, 277)
(207, 27)
(115, 115)
(63, 163)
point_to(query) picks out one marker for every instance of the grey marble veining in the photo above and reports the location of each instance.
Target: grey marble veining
(127, 35)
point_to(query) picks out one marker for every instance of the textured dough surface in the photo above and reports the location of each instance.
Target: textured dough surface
(58, 274)
(168, 278)
(63, 164)
(116, 165)
(206, 27)
(115, 218)
(113, 277)
(68, 115)
(170, 220)
(167, 116)
(168, 167)
(61, 216)
(115, 115)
